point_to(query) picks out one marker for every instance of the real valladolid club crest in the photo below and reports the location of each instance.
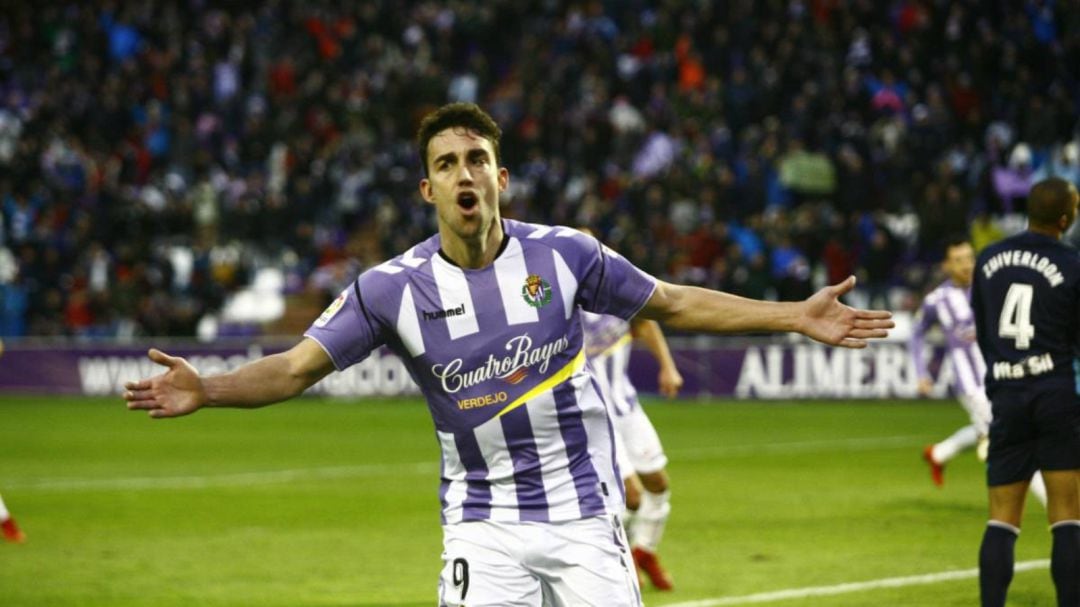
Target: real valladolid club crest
(537, 291)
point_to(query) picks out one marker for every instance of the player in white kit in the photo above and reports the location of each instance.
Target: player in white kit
(485, 316)
(949, 307)
(639, 454)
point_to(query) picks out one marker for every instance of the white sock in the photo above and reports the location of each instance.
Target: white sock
(4, 514)
(1038, 487)
(964, 438)
(648, 525)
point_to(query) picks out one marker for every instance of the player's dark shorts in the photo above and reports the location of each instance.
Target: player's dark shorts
(1036, 427)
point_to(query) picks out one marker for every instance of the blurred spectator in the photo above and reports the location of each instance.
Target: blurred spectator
(1012, 182)
(1063, 162)
(807, 173)
(984, 231)
(879, 261)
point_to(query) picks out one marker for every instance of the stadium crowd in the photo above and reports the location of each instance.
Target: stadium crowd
(153, 155)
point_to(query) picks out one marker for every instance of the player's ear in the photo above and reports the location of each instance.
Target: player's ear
(425, 190)
(504, 179)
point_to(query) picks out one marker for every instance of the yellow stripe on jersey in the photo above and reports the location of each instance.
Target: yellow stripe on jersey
(556, 378)
(625, 339)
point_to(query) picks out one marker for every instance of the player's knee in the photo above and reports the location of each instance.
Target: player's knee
(633, 494)
(655, 482)
(1062, 498)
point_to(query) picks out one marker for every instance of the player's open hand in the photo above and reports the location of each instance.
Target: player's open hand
(829, 321)
(178, 391)
(925, 387)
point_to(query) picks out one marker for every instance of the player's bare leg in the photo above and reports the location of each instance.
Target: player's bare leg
(632, 485)
(648, 527)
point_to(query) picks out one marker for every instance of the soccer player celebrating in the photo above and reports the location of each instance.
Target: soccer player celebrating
(10, 529)
(1026, 298)
(949, 306)
(485, 315)
(638, 452)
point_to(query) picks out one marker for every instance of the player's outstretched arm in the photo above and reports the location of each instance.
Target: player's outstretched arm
(821, 317)
(669, 379)
(180, 390)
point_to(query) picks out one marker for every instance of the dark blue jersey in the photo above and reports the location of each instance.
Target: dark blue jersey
(1026, 299)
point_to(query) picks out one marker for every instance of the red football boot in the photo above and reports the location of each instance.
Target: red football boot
(937, 471)
(12, 533)
(649, 562)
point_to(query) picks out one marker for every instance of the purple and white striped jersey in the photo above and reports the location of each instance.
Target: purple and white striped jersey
(607, 345)
(949, 306)
(498, 354)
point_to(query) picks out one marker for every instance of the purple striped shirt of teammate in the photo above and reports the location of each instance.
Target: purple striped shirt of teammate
(948, 306)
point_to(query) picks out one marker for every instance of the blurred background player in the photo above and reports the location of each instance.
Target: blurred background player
(949, 306)
(1026, 298)
(11, 530)
(640, 456)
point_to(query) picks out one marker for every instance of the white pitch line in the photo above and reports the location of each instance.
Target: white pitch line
(240, 479)
(270, 477)
(891, 582)
(870, 443)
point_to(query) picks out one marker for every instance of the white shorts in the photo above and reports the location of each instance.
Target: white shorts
(637, 445)
(978, 408)
(576, 563)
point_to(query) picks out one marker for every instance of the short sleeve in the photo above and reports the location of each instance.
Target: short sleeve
(608, 283)
(346, 329)
(924, 318)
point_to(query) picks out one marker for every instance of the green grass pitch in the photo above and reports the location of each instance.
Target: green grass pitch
(332, 503)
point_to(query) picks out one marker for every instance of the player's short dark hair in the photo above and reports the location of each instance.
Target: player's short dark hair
(1049, 200)
(955, 240)
(464, 115)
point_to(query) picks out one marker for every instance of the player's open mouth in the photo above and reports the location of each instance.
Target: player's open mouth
(467, 200)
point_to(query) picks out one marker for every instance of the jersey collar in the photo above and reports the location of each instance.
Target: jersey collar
(502, 247)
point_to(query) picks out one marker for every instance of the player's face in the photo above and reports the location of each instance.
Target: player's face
(1075, 200)
(463, 182)
(959, 264)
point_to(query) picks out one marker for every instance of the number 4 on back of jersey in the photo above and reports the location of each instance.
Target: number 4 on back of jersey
(1015, 321)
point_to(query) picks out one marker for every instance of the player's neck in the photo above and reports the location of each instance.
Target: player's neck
(472, 253)
(1051, 231)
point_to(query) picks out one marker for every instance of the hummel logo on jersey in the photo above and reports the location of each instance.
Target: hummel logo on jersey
(437, 314)
(537, 291)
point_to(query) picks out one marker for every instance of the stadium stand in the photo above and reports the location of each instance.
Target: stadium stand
(154, 157)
